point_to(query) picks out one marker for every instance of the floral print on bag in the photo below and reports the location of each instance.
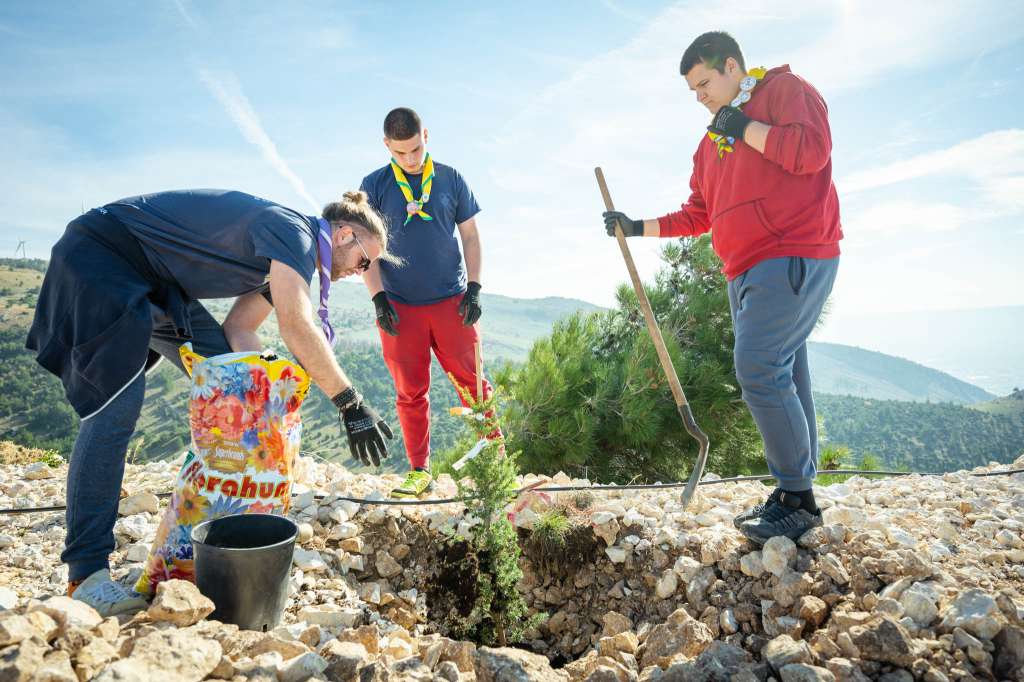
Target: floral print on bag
(246, 430)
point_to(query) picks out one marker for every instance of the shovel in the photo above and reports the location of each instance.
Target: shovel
(659, 345)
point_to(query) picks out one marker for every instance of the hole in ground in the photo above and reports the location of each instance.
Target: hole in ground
(454, 587)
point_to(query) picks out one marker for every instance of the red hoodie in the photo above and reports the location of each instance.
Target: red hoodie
(780, 203)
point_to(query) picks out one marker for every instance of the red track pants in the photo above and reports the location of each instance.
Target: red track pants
(422, 328)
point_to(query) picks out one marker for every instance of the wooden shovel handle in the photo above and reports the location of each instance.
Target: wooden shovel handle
(659, 345)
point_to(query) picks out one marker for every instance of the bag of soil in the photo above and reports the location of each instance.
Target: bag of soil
(246, 430)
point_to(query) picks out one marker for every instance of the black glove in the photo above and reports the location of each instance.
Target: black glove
(469, 308)
(630, 228)
(387, 316)
(366, 430)
(731, 122)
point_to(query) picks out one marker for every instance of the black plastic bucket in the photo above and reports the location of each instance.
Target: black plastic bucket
(242, 563)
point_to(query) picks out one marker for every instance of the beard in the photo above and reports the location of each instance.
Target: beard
(339, 257)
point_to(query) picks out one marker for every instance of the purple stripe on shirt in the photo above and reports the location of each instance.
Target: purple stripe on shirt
(323, 239)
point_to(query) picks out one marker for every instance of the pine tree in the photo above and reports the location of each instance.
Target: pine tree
(593, 400)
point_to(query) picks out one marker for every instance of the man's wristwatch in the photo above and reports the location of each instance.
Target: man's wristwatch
(348, 398)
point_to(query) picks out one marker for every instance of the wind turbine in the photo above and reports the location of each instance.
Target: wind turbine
(21, 247)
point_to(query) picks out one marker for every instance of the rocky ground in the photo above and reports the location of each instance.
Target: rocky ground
(916, 578)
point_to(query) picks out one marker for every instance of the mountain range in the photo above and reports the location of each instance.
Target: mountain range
(847, 370)
(902, 411)
(981, 345)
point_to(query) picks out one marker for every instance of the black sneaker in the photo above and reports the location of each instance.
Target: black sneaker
(783, 516)
(756, 511)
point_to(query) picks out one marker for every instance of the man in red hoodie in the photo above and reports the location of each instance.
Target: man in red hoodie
(762, 185)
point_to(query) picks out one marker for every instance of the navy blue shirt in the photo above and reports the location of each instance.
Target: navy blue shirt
(218, 243)
(434, 269)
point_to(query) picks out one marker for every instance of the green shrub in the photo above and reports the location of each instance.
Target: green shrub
(592, 400)
(496, 614)
(551, 528)
(51, 458)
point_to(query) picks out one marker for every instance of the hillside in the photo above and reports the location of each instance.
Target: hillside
(941, 435)
(46, 421)
(19, 288)
(980, 345)
(510, 325)
(932, 437)
(848, 370)
(1010, 405)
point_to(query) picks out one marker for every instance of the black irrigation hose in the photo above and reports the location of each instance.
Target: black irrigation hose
(568, 488)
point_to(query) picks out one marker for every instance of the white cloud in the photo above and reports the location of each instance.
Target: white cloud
(1007, 192)
(629, 111)
(970, 183)
(996, 157)
(893, 259)
(51, 168)
(626, 109)
(906, 215)
(228, 91)
(184, 13)
(619, 11)
(866, 40)
(48, 182)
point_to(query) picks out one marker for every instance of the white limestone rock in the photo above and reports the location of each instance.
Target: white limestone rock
(778, 555)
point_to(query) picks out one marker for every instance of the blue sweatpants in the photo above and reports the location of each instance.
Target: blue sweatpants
(775, 305)
(97, 460)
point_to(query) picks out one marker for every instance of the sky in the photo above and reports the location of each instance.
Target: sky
(101, 100)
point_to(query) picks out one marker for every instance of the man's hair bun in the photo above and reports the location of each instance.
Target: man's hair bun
(356, 197)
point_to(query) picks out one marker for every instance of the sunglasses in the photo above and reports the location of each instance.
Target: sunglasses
(364, 262)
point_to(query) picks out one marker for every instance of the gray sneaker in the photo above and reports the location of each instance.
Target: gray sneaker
(783, 516)
(756, 511)
(108, 597)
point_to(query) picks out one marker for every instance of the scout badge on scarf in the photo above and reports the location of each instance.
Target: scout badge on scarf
(415, 206)
(749, 82)
(323, 248)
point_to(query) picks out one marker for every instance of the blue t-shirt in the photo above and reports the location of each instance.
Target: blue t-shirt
(433, 269)
(218, 243)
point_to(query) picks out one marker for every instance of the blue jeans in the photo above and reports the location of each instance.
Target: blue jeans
(775, 306)
(97, 460)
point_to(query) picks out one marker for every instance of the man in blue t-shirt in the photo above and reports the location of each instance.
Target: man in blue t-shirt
(431, 302)
(122, 289)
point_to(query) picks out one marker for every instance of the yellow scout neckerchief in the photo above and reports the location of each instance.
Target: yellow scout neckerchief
(749, 82)
(415, 206)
